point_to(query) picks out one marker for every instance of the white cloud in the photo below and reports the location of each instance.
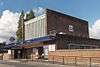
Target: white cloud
(95, 30)
(8, 25)
(38, 11)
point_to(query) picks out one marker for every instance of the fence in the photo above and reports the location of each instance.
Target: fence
(76, 61)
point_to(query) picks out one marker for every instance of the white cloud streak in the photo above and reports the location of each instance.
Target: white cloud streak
(38, 11)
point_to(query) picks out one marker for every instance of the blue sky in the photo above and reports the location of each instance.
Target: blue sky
(84, 9)
(88, 10)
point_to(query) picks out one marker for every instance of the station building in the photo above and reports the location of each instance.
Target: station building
(54, 31)
(64, 31)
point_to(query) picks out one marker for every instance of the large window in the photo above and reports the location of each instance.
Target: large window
(35, 28)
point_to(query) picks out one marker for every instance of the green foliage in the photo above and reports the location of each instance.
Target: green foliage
(30, 15)
(19, 32)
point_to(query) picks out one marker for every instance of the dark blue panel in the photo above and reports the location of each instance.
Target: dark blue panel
(40, 39)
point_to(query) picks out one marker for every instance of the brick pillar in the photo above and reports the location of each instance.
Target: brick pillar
(8, 55)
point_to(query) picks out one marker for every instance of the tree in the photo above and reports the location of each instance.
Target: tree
(20, 31)
(30, 15)
(1, 46)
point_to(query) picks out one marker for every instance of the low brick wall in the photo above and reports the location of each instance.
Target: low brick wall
(34, 56)
(6, 56)
(72, 55)
(1, 56)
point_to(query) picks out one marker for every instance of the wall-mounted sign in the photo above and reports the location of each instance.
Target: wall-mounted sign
(12, 39)
(53, 32)
(52, 47)
(71, 28)
(9, 51)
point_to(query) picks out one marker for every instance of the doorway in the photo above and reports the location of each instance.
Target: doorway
(40, 52)
(18, 54)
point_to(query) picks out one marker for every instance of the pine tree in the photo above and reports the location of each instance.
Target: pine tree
(20, 31)
(30, 15)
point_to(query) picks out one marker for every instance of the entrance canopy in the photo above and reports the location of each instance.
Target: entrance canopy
(40, 39)
(29, 42)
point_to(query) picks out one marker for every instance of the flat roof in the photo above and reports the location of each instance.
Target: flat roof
(29, 42)
(63, 14)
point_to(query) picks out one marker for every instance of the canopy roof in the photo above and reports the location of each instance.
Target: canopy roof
(29, 42)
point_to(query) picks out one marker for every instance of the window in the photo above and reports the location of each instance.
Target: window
(71, 28)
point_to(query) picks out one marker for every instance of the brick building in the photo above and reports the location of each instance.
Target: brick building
(53, 31)
(60, 22)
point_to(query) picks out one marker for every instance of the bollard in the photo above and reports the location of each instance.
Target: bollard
(53, 60)
(75, 61)
(63, 60)
(90, 62)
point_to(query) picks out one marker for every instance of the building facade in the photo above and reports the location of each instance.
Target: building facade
(62, 23)
(69, 32)
(54, 31)
(53, 22)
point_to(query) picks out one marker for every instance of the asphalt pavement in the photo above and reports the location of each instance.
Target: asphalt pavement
(14, 63)
(30, 64)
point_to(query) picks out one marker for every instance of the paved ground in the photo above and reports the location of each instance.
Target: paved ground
(30, 64)
(13, 63)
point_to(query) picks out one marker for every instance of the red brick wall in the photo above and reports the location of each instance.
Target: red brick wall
(73, 53)
(7, 56)
(60, 22)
